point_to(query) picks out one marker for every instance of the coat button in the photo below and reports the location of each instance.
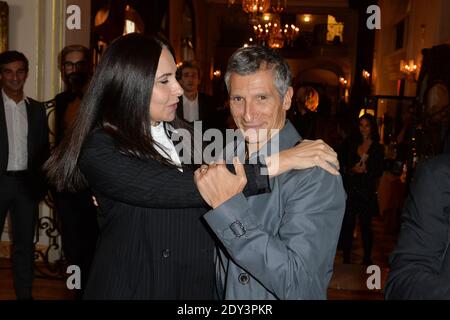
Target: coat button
(244, 278)
(165, 253)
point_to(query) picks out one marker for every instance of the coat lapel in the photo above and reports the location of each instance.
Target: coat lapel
(31, 130)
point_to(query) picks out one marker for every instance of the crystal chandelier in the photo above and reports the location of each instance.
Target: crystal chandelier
(273, 34)
(261, 6)
(255, 6)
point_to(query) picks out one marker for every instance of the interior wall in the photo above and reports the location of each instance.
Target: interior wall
(80, 36)
(427, 26)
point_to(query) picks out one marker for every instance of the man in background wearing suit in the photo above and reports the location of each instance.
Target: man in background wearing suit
(23, 149)
(194, 105)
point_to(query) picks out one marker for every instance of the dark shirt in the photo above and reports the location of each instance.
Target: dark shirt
(62, 102)
(420, 264)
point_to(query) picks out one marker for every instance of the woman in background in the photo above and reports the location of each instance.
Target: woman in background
(362, 162)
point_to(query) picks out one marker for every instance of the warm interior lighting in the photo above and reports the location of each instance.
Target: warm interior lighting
(267, 17)
(335, 30)
(365, 74)
(307, 18)
(130, 27)
(261, 6)
(133, 21)
(364, 111)
(409, 69)
(255, 6)
(266, 25)
(343, 81)
(273, 34)
(278, 6)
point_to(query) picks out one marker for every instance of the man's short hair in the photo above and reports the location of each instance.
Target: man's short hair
(248, 60)
(188, 64)
(74, 48)
(12, 56)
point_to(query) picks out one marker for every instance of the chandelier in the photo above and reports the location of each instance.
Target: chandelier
(255, 6)
(273, 34)
(261, 6)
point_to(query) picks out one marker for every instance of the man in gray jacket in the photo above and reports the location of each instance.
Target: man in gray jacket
(282, 244)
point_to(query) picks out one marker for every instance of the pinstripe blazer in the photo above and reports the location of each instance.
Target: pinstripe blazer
(152, 244)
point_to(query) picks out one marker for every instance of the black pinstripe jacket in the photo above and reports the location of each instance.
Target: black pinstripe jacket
(152, 244)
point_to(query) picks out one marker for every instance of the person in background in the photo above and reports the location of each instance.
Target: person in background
(195, 105)
(306, 119)
(282, 244)
(77, 213)
(152, 243)
(362, 162)
(420, 263)
(24, 147)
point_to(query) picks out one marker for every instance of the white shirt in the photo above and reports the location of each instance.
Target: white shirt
(190, 109)
(17, 128)
(160, 136)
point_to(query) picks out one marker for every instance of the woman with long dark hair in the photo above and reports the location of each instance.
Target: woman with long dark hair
(152, 242)
(362, 162)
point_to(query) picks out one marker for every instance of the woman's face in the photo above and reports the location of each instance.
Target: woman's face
(364, 128)
(166, 90)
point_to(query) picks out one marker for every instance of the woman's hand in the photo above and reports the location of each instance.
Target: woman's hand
(217, 184)
(307, 154)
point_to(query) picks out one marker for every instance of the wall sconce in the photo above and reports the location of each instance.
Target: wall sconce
(409, 69)
(343, 82)
(306, 18)
(365, 75)
(217, 74)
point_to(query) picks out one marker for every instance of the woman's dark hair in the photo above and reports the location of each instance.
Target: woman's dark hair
(117, 101)
(374, 135)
